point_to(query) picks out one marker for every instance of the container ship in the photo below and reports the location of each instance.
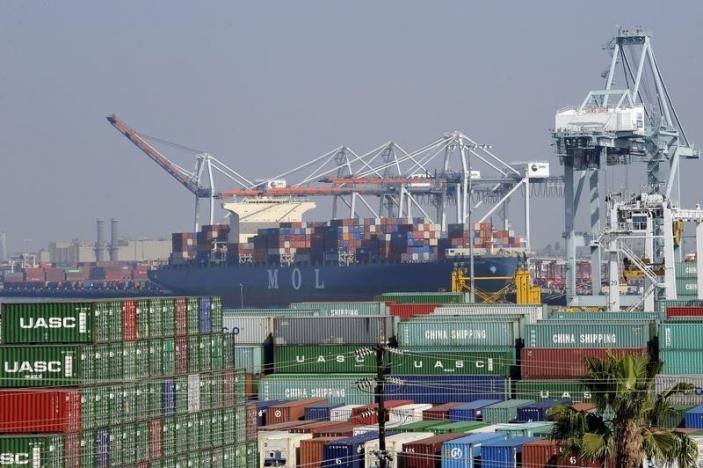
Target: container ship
(340, 260)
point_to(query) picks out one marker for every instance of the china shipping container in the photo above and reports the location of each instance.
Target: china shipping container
(681, 361)
(680, 335)
(457, 332)
(336, 388)
(332, 330)
(28, 410)
(591, 334)
(504, 411)
(569, 363)
(533, 313)
(449, 388)
(425, 453)
(344, 309)
(468, 361)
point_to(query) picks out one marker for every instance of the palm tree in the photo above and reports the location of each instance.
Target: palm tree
(625, 427)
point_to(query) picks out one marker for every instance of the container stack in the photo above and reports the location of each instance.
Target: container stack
(137, 382)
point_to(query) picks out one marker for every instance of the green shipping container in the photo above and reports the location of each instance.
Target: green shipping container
(681, 361)
(419, 426)
(592, 334)
(217, 359)
(337, 388)
(687, 287)
(193, 431)
(686, 269)
(42, 366)
(240, 423)
(193, 309)
(117, 440)
(681, 335)
(240, 455)
(217, 313)
(129, 405)
(550, 389)
(168, 359)
(116, 405)
(252, 455)
(129, 444)
(87, 448)
(181, 434)
(49, 322)
(456, 331)
(181, 395)
(457, 427)
(585, 316)
(341, 309)
(168, 317)
(247, 357)
(217, 390)
(217, 428)
(155, 358)
(193, 354)
(156, 320)
(533, 429)
(45, 451)
(205, 391)
(229, 427)
(322, 359)
(108, 318)
(168, 437)
(143, 318)
(205, 361)
(467, 361)
(503, 412)
(424, 298)
(204, 430)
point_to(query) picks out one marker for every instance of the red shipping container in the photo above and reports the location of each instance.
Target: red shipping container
(181, 355)
(570, 363)
(291, 411)
(155, 428)
(673, 312)
(425, 453)
(252, 421)
(439, 412)
(249, 387)
(547, 453)
(228, 388)
(40, 411)
(285, 426)
(312, 451)
(72, 450)
(129, 320)
(366, 415)
(341, 429)
(181, 317)
(406, 311)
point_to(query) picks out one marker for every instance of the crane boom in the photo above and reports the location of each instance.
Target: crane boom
(186, 179)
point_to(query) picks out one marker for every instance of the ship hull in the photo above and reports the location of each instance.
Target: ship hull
(269, 285)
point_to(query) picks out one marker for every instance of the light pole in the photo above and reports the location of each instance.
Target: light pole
(241, 296)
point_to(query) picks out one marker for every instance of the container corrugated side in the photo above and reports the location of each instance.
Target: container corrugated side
(23, 411)
(689, 397)
(568, 363)
(252, 330)
(576, 334)
(424, 298)
(49, 322)
(532, 312)
(320, 359)
(444, 361)
(336, 388)
(437, 389)
(250, 358)
(43, 366)
(680, 335)
(503, 454)
(574, 390)
(681, 361)
(332, 330)
(585, 316)
(503, 412)
(344, 309)
(46, 451)
(457, 332)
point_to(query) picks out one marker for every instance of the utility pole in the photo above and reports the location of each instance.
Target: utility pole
(380, 391)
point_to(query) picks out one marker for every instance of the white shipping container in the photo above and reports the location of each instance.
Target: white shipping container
(342, 413)
(252, 330)
(359, 430)
(394, 445)
(407, 414)
(532, 313)
(193, 393)
(279, 448)
(693, 397)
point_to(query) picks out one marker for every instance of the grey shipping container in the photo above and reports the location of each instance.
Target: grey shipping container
(248, 330)
(332, 330)
(532, 312)
(689, 397)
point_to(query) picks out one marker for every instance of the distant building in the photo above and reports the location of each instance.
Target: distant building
(80, 251)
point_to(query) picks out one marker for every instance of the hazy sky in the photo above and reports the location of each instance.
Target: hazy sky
(265, 85)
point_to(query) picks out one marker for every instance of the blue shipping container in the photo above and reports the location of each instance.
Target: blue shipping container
(694, 417)
(347, 453)
(439, 389)
(462, 453)
(505, 453)
(537, 411)
(168, 397)
(320, 412)
(205, 316)
(102, 448)
(470, 411)
(262, 407)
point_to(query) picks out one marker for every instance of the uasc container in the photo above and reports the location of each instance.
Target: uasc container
(50, 322)
(35, 450)
(44, 366)
(469, 361)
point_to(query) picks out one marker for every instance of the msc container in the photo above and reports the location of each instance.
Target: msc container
(46, 366)
(469, 361)
(464, 452)
(681, 361)
(332, 330)
(252, 330)
(680, 335)
(406, 414)
(319, 412)
(312, 451)
(439, 412)
(693, 397)
(322, 359)
(46, 451)
(279, 448)
(504, 411)
(532, 313)
(505, 453)
(455, 388)
(336, 388)
(694, 417)
(593, 334)
(342, 413)
(472, 411)
(574, 390)
(539, 410)
(568, 363)
(457, 332)
(460, 427)
(347, 453)
(344, 309)
(50, 322)
(40, 411)
(424, 298)
(290, 411)
(394, 445)
(425, 453)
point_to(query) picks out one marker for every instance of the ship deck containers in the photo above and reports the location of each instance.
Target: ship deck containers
(312, 451)
(425, 453)
(504, 411)
(347, 453)
(503, 454)
(394, 445)
(449, 388)
(538, 411)
(472, 411)
(464, 452)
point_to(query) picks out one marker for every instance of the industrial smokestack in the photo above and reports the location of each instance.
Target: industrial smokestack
(3, 247)
(100, 246)
(114, 248)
